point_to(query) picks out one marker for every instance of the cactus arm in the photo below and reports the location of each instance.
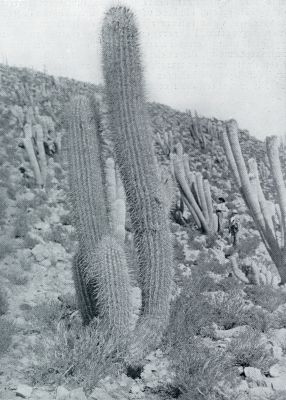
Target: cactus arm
(202, 197)
(85, 177)
(192, 211)
(110, 282)
(100, 269)
(28, 144)
(116, 200)
(209, 202)
(180, 176)
(229, 155)
(254, 179)
(41, 150)
(272, 145)
(86, 301)
(250, 197)
(278, 213)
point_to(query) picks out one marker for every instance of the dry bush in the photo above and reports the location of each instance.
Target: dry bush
(247, 350)
(76, 354)
(266, 296)
(7, 330)
(201, 371)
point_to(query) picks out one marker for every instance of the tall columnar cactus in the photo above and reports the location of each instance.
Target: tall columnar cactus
(28, 143)
(100, 268)
(249, 186)
(140, 174)
(195, 191)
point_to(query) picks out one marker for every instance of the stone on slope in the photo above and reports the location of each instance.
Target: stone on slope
(24, 391)
(62, 393)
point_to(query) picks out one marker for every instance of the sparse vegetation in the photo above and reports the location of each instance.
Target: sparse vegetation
(7, 330)
(218, 325)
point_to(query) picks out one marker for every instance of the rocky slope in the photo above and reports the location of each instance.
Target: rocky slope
(243, 324)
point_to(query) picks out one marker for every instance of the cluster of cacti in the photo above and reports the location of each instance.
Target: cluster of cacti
(256, 274)
(166, 143)
(195, 129)
(100, 268)
(250, 188)
(38, 137)
(195, 191)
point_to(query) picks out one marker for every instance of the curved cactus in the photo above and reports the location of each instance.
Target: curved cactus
(100, 268)
(251, 191)
(195, 191)
(140, 175)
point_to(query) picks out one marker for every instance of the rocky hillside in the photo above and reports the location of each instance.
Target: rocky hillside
(226, 338)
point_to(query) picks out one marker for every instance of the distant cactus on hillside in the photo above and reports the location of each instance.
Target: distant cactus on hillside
(140, 174)
(195, 191)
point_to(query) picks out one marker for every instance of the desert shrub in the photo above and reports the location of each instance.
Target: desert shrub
(227, 284)
(247, 350)
(46, 315)
(278, 318)
(3, 302)
(76, 354)
(226, 308)
(66, 219)
(211, 240)
(266, 296)
(255, 318)
(208, 264)
(248, 245)
(7, 330)
(200, 370)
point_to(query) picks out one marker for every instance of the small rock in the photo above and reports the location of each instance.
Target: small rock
(24, 391)
(100, 394)
(254, 374)
(274, 370)
(279, 383)
(77, 394)
(62, 393)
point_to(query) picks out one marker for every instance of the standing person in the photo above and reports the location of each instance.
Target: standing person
(220, 212)
(234, 223)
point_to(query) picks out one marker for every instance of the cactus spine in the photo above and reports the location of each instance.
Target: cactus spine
(100, 268)
(140, 175)
(251, 191)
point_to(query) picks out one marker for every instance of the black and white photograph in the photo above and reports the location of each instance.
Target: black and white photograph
(143, 199)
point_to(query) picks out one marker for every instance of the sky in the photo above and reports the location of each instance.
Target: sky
(223, 58)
